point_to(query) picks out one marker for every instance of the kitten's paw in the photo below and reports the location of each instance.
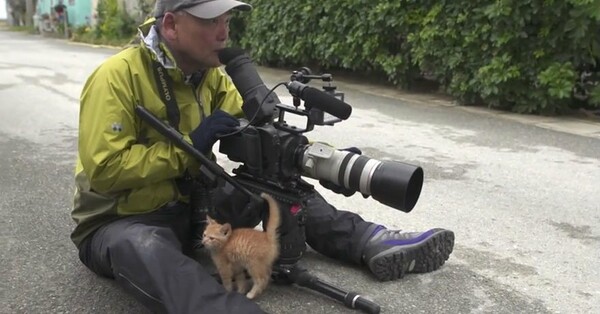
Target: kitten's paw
(251, 295)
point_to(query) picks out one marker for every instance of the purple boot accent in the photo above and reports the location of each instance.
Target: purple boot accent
(377, 229)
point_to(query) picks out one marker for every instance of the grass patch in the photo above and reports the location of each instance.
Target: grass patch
(24, 29)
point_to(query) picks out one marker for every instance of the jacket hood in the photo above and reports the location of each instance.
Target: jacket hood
(151, 40)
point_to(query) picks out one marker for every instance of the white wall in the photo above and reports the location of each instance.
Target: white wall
(3, 9)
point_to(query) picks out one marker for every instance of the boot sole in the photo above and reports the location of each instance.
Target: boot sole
(423, 257)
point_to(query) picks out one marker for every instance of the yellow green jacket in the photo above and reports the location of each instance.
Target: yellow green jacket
(124, 166)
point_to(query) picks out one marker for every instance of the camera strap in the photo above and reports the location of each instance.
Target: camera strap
(164, 85)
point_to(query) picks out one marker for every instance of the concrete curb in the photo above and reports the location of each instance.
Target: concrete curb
(77, 43)
(565, 124)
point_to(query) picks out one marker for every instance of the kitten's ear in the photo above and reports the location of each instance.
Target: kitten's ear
(226, 229)
(210, 220)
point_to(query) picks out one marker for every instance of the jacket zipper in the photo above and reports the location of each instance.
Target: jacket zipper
(196, 90)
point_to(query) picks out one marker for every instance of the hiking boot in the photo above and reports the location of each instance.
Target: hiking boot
(391, 254)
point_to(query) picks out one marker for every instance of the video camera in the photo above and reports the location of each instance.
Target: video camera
(276, 154)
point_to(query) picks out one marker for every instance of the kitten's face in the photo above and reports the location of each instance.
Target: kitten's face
(215, 235)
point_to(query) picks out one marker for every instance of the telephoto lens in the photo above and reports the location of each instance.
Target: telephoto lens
(392, 183)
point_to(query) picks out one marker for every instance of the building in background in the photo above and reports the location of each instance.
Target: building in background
(3, 9)
(78, 12)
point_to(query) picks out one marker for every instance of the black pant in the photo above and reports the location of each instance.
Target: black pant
(146, 256)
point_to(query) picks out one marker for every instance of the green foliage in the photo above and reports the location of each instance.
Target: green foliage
(529, 56)
(595, 96)
(114, 23)
(27, 29)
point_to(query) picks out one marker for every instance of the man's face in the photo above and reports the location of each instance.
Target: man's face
(199, 40)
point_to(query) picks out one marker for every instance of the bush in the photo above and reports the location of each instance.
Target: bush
(530, 56)
(114, 27)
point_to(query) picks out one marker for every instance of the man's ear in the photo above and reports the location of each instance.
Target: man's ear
(168, 26)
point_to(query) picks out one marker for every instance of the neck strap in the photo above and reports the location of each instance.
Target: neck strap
(164, 85)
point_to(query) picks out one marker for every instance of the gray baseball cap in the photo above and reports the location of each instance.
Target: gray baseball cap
(204, 9)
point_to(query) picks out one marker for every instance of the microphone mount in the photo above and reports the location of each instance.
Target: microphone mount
(304, 75)
(320, 109)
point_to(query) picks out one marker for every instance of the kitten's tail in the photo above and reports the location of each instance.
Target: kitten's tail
(274, 216)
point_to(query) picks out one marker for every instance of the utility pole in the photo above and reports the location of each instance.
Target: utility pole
(29, 10)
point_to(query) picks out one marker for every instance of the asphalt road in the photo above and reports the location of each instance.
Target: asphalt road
(522, 200)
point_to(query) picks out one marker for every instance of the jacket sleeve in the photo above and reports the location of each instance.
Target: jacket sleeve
(111, 156)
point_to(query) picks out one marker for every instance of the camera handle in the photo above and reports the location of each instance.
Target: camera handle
(293, 239)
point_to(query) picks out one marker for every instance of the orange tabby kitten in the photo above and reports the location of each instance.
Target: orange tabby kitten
(232, 251)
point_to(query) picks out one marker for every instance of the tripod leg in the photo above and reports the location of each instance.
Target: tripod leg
(352, 300)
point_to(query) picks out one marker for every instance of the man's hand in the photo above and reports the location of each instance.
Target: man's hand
(234, 207)
(341, 189)
(207, 133)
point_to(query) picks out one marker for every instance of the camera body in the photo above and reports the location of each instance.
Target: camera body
(267, 154)
(270, 149)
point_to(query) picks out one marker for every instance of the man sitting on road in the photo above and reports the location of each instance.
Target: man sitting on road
(131, 210)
